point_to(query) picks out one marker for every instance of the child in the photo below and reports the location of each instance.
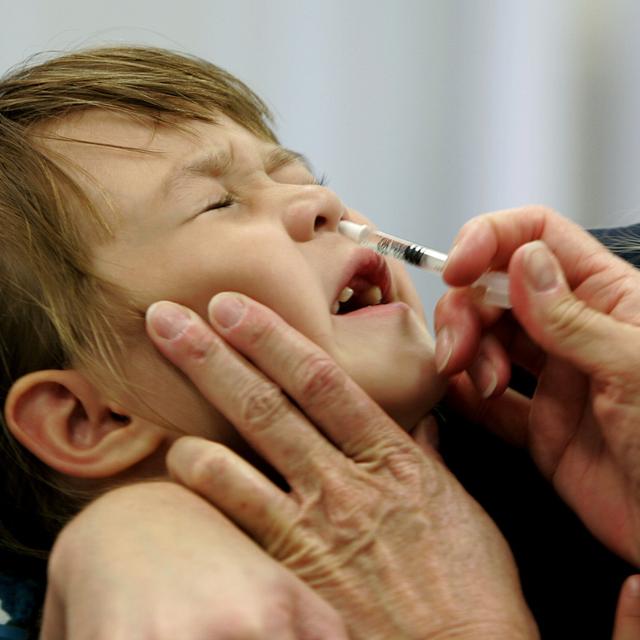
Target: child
(134, 175)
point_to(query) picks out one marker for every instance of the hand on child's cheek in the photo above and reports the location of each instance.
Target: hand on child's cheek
(370, 516)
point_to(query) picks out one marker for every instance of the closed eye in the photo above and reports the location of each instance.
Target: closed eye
(224, 202)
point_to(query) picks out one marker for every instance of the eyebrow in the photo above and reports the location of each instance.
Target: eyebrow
(281, 156)
(218, 163)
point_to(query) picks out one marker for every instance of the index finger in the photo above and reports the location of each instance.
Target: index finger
(335, 403)
(249, 400)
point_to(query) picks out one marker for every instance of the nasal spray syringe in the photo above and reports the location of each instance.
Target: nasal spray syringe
(494, 283)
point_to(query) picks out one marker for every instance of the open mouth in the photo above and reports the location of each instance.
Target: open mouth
(368, 284)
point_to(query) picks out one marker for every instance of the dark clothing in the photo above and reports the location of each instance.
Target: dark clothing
(623, 241)
(570, 581)
(20, 604)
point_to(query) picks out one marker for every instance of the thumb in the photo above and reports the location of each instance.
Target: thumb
(562, 324)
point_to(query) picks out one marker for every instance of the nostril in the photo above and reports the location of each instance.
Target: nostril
(320, 221)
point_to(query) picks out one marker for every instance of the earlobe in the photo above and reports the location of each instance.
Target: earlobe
(64, 421)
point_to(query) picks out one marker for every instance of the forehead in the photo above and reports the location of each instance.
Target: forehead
(95, 136)
(96, 139)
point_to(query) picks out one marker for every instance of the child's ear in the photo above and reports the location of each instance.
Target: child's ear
(64, 421)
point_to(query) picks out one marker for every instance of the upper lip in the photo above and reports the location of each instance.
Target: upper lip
(371, 267)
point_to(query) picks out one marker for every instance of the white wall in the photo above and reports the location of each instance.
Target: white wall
(421, 113)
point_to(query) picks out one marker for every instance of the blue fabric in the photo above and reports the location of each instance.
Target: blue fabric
(20, 599)
(13, 633)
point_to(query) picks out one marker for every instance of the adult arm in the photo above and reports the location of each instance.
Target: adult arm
(153, 560)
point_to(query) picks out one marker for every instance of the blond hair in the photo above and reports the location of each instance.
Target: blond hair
(54, 309)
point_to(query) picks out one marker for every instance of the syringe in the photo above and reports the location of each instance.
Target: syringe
(494, 283)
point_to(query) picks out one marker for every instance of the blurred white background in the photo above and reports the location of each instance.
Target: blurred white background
(421, 113)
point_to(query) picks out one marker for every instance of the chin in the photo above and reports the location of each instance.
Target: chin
(408, 398)
(401, 378)
(388, 351)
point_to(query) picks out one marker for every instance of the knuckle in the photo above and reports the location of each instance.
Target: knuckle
(569, 317)
(199, 344)
(409, 474)
(542, 210)
(208, 465)
(318, 378)
(260, 332)
(262, 404)
(421, 478)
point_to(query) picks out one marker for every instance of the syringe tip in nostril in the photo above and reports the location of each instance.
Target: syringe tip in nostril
(356, 232)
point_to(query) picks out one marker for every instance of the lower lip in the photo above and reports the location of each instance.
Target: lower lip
(377, 310)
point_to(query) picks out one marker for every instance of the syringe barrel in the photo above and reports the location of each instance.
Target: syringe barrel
(495, 284)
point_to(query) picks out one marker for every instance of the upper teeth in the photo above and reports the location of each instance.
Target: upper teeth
(371, 296)
(343, 296)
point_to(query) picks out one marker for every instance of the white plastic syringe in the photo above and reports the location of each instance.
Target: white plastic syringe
(494, 283)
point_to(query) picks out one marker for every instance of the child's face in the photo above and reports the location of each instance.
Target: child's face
(276, 241)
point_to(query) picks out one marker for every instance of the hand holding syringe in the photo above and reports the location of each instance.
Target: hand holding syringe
(494, 283)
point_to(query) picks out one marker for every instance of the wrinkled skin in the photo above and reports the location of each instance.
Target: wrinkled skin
(373, 522)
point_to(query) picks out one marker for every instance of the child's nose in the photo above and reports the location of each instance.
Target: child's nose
(313, 209)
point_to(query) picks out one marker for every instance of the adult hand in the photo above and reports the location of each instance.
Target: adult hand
(575, 325)
(373, 523)
(175, 568)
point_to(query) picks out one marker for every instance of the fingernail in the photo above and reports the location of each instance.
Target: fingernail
(444, 348)
(167, 319)
(455, 246)
(453, 250)
(634, 586)
(226, 309)
(540, 269)
(484, 376)
(181, 457)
